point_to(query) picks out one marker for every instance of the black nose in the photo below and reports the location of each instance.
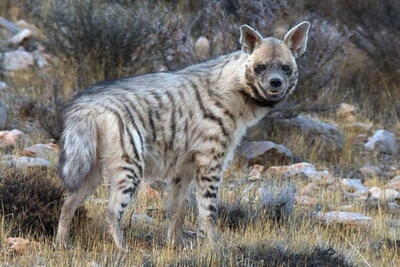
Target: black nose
(275, 82)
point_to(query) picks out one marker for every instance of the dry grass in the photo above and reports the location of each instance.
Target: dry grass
(254, 241)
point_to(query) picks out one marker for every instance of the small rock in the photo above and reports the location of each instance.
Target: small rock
(19, 245)
(20, 37)
(384, 195)
(347, 207)
(345, 218)
(43, 151)
(346, 112)
(202, 48)
(3, 115)
(369, 171)
(23, 162)
(41, 59)
(16, 60)
(10, 138)
(142, 218)
(303, 170)
(355, 186)
(383, 141)
(259, 152)
(3, 86)
(394, 183)
(256, 172)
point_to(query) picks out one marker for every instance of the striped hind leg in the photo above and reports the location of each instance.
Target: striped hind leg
(208, 177)
(176, 209)
(72, 203)
(125, 177)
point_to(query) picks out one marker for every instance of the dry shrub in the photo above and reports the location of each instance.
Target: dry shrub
(236, 215)
(374, 28)
(99, 38)
(266, 254)
(31, 199)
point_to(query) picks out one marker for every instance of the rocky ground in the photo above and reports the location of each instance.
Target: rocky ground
(321, 191)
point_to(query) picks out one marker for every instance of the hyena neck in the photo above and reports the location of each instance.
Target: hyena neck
(225, 77)
(229, 79)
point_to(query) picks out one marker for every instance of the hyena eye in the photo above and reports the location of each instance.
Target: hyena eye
(286, 69)
(260, 68)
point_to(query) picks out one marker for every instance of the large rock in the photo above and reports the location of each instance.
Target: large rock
(345, 218)
(383, 141)
(3, 115)
(260, 152)
(23, 162)
(16, 60)
(301, 170)
(321, 137)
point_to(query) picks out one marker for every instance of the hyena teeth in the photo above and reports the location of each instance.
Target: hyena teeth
(181, 126)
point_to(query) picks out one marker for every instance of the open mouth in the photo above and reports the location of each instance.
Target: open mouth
(274, 95)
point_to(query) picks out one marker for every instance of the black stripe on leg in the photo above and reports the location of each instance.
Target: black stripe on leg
(213, 187)
(128, 190)
(212, 208)
(208, 194)
(207, 179)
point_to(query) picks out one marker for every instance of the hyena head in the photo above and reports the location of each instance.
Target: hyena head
(270, 68)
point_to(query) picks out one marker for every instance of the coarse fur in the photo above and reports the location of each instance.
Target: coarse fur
(180, 126)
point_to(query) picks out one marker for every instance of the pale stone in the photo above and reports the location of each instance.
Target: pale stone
(303, 170)
(383, 141)
(386, 195)
(354, 185)
(43, 151)
(345, 218)
(20, 37)
(17, 60)
(264, 151)
(23, 162)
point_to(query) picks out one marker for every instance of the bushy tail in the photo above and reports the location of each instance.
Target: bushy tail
(78, 151)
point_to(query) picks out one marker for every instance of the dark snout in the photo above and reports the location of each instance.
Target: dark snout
(276, 85)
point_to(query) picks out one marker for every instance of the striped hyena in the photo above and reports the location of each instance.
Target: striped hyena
(180, 126)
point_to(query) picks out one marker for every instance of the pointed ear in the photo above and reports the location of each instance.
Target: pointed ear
(249, 38)
(296, 38)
